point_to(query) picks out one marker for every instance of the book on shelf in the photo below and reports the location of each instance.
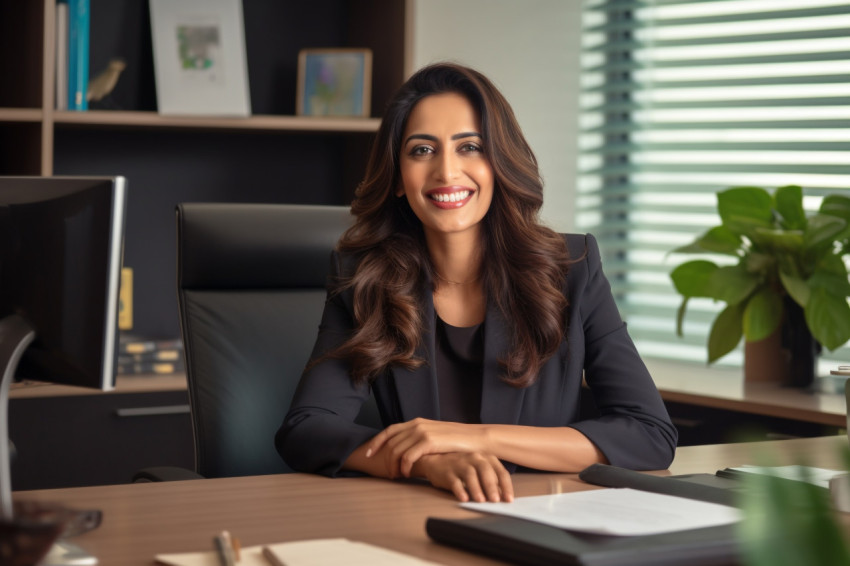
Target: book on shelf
(61, 54)
(151, 367)
(145, 355)
(125, 300)
(78, 54)
(167, 355)
(135, 344)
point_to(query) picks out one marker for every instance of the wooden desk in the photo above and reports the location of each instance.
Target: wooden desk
(142, 520)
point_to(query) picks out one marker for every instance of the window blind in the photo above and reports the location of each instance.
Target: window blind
(684, 98)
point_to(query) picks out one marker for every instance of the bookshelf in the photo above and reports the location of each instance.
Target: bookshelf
(272, 156)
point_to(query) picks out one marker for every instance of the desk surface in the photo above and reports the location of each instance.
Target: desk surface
(141, 520)
(724, 388)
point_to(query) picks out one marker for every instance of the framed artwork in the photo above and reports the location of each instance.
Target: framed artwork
(334, 82)
(199, 57)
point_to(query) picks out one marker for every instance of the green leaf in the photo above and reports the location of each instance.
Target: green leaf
(836, 205)
(783, 241)
(832, 263)
(823, 229)
(789, 204)
(796, 287)
(777, 247)
(834, 283)
(759, 263)
(693, 278)
(743, 209)
(692, 248)
(720, 240)
(762, 315)
(828, 318)
(680, 317)
(732, 284)
(844, 235)
(726, 332)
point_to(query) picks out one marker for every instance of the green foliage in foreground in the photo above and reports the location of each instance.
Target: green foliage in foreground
(791, 523)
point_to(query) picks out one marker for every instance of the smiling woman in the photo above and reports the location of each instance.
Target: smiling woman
(470, 322)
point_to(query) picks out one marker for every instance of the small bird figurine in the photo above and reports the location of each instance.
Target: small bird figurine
(101, 85)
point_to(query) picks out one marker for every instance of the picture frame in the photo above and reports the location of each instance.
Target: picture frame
(334, 82)
(200, 60)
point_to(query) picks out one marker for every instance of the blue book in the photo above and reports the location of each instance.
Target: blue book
(78, 54)
(61, 54)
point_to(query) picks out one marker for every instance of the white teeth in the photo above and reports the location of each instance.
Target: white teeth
(450, 197)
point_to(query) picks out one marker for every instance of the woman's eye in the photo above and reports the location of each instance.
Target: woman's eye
(420, 150)
(470, 147)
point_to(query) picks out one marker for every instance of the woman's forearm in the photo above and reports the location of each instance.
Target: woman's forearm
(358, 462)
(551, 449)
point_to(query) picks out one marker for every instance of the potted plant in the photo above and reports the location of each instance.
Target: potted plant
(788, 273)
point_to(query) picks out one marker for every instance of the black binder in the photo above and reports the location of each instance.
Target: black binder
(528, 543)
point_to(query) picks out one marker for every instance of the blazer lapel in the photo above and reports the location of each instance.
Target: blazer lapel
(500, 403)
(417, 389)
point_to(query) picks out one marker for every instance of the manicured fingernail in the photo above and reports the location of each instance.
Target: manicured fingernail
(369, 453)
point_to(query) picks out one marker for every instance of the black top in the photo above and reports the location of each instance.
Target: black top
(459, 359)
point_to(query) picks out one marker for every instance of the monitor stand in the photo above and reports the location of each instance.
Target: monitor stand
(16, 334)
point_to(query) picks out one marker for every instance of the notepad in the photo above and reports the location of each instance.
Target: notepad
(316, 552)
(615, 511)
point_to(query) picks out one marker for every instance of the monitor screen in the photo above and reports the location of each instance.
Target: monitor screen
(60, 264)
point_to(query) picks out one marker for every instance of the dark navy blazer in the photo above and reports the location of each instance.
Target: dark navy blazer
(633, 428)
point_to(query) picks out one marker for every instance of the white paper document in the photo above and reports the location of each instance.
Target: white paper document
(615, 511)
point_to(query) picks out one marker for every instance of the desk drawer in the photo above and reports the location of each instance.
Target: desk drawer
(97, 439)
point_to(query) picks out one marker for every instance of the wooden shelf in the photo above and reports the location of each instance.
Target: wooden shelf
(725, 388)
(259, 122)
(21, 115)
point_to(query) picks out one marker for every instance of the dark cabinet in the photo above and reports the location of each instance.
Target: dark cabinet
(98, 438)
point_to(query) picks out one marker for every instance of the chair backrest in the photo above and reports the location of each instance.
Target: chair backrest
(251, 288)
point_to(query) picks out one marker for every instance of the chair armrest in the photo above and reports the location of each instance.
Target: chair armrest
(165, 473)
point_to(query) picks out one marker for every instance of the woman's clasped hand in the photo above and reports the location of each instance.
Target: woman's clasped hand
(453, 456)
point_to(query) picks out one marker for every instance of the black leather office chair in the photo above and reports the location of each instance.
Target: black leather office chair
(251, 288)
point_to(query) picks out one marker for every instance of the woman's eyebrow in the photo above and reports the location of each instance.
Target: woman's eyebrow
(466, 135)
(428, 137)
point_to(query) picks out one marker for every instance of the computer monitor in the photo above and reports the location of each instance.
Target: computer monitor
(60, 265)
(61, 241)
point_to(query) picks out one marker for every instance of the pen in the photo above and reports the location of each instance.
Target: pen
(237, 548)
(224, 549)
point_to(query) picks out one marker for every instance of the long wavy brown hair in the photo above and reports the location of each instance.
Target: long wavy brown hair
(526, 262)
